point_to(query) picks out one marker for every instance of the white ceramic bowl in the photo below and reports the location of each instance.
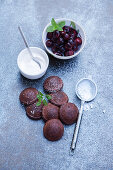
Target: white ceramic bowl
(31, 75)
(68, 21)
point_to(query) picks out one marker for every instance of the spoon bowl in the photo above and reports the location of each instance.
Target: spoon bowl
(86, 89)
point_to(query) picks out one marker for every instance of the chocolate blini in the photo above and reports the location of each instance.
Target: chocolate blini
(68, 113)
(53, 84)
(34, 112)
(59, 98)
(28, 96)
(53, 130)
(50, 112)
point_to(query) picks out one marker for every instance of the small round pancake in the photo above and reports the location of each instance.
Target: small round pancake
(28, 96)
(34, 112)
(50, 112)
(69, 113)
(53, 84)
(59, 98)
(53, 129)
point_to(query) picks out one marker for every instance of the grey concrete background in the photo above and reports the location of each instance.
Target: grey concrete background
(22, 145)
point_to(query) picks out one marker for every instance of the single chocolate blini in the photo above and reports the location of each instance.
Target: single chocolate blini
(59, 98)
(53, 84)
(28, 96)
(53, 129)
(50, 112)
(68, 113)
(34, 112)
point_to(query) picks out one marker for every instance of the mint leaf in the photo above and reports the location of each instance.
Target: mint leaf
(38, 103)
(40, 93)
(50, 29)
(39, 100)
(54, 26)
(78, 31)
(53, 22)
(61, 24)
(59, 28)
(44, 102)
(42, 98)
(48, 97)
(38, 96)
(73, 24)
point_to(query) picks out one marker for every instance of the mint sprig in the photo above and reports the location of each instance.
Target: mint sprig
(55, 26)
(50, 29)
(61, 24)
(48, 97)
(73, 25)
(42, 98)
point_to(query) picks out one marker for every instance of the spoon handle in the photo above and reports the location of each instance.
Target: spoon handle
(76, 130)
(26, 44)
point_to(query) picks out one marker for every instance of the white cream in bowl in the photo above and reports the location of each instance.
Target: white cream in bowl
(30, 68)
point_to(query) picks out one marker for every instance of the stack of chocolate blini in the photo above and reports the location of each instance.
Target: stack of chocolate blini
(56, 113)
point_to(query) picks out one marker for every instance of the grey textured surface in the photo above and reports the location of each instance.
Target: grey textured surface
(22, 145)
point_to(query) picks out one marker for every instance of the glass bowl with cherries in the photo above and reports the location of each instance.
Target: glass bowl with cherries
(63, 38)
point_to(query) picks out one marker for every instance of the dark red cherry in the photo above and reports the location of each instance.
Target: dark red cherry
(75, 48)
(68, 46)
(49, 35)
(53, 40)
(78, 41)
(66, 29)
(71, 42)
(58, 53)
(54, 49)
(72, 36)
(73, 31)
(49, 43)
(66, 36)
(56, 34)
(62, 49)
(56, 45)
(69, 53)
(62, 33)
(60, 40)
